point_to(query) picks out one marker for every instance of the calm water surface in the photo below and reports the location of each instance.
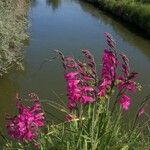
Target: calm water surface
(70, 26)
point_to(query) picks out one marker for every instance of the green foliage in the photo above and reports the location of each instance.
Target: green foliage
(143, 1)
(12, 32)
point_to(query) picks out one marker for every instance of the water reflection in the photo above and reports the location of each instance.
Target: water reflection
(34, 3)
(54, 3)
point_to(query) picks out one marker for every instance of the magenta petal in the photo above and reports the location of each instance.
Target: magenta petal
(24, 126)
(70, 75)
(125, 101)
(86, 99)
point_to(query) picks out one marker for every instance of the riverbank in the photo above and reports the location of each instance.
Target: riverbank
(13, 24)
(134, 12)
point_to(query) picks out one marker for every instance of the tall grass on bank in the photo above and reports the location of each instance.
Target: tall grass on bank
(13, 24)
(91, 122)
(136, 12)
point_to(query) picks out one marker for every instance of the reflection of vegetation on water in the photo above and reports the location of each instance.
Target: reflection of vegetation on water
(12, 32)
(54, 3)
(34, 3)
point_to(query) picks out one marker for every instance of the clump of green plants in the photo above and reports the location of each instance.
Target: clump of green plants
(94, 111)
(143, 1)
(13, 24)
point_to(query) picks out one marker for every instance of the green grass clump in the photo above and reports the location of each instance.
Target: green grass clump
(12, 32)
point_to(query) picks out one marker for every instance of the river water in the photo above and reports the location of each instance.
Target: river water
(69, 26)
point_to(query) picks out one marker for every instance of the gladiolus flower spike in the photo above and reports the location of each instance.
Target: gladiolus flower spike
(25, 125)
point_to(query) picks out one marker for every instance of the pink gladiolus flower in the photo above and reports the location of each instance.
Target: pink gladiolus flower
(109, 57)
(108, 71)
(73, 83)
(87, 54)
(69, 62)
(125, 101)
(102, 92)
(110, 41)
(87, 99)
(87, 89)
(24, 126)
(87, 78)
(71, 104)
(131, 86)
(125, 64)
(81, 77)
(133, 75)
(103, 87)
(77, 86)
(75, 95)
(141, 111)
(125, 69)
(125, 58)
(126, 84)
(71, 75)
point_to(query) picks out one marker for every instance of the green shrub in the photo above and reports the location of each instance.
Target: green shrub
(12, 32)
